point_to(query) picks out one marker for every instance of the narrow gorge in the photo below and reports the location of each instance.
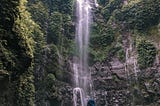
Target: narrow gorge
(80, 52)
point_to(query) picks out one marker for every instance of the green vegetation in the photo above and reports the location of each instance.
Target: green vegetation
(17, 50)
(141, 15)
(146, 54)
(110, 7)
(24, 28)
(103, 2)
(37, 43)
(54, 43)
(40, 14)
(100, 45)
(121, 55)
(55, 28)
(104, 32)
(103, 40)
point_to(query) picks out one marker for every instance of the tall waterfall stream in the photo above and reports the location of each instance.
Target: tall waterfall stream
(82, 76)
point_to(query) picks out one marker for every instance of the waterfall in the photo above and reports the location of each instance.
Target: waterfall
(95, 3)
(82, 75)
(78, 92)
(127, 61)
(135, 68)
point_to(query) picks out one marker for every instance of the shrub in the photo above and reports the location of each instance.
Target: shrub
(141, 15)
(146, 54)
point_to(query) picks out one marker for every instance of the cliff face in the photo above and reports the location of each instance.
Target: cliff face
(128, 75)
(116, 85)
(122, 52)
(37, 50)
(53, 76)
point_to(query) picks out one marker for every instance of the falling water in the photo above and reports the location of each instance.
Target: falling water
(127, 61)
(81, 73)
(135, 68)
(78, 93)
(76, 75)
(95, 3)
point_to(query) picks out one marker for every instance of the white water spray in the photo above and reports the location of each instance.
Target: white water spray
(95, 3)
(135, 68)
(78, 93)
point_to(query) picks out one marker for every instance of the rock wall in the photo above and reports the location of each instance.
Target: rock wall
(116, 55)
(113, 87)
(124, 52)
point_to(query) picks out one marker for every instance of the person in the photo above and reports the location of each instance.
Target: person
(91, 102)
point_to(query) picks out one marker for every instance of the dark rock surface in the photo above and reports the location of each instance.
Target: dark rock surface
(113, 87)
(110, 84)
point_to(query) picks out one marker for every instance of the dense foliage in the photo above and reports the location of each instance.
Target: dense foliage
(140, 15)
(37, 44)
(17, 58)
(146, 54)
(53, 45)
(109, 8)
